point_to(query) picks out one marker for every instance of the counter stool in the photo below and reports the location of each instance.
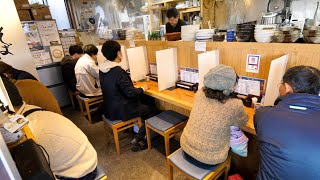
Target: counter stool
(87, 103)
(166, 124)
(195, 169)
(118, 126)
(72, 95)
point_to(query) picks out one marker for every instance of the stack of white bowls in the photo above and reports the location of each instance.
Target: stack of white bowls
(204, 34)
(264, 33)
(188, 33)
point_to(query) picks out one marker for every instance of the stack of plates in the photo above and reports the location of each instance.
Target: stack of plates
(122, 34)
(115, 34)
(245, 32)
(290, 34)
(311, 34)
(264, 33)
(204, 34)
(130, 34)
(188, 33)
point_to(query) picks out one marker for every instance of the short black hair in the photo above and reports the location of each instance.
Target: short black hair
(110, 49)
(303, 79)
(90, 49)
(13, 93)
(75, 49)
(172, 12)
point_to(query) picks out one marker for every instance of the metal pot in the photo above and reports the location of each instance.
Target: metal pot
(271, 18)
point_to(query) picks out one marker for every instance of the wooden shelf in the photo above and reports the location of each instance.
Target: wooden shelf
(168, 1)
(189, 9)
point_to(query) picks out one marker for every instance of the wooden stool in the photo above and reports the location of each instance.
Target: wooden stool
(166, 124)
(72, 95)
(87, 103)
(195, 169)
(118, 126)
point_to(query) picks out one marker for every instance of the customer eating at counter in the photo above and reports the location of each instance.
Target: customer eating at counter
(121, 100)
(206, 136)
(87, 73)
(174, 22)
(289, 131)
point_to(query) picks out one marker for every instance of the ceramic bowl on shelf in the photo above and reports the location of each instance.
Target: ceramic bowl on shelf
(218, 37)
(263, 38)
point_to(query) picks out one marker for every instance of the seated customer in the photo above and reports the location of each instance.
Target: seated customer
(120, 98)
(289, 131)
(8, 71)
(67, 66)
(71, 154)
(206, 136)
(87, 72)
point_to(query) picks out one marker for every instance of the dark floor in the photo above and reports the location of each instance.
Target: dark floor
(146, 164)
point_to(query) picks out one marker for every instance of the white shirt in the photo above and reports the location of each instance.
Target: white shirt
(70, 152)
(87, 75)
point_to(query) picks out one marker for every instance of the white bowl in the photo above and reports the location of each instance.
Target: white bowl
(263, 39)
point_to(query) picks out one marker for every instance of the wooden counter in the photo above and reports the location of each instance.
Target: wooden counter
(184, 99)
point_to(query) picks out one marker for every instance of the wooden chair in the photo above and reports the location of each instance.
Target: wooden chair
(166, 124)
(87, 103)
(72, 96)
(118, 126)
(35, 93)
(195, 169)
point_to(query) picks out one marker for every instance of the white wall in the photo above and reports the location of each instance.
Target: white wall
(9, 20)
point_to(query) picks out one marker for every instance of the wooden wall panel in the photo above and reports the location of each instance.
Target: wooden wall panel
(235, 54)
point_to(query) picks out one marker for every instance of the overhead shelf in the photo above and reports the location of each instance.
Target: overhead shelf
(167, 1)
(189, 9)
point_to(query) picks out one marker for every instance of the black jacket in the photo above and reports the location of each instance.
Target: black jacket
(120, 97)
(67, 68)
(289, 138)
(177, 28)
(20, 75)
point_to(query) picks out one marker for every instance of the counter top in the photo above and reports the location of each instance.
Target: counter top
(184, 99)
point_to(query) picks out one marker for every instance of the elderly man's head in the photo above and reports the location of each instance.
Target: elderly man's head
(301, 79)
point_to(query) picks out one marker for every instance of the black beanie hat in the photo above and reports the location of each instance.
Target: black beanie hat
(13, 92)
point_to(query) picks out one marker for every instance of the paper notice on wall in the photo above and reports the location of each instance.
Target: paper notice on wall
(56, 53)
(41, 58)
(48, 32)
(200, 46)
(207, 61)
(276, 72)
(253, 63)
